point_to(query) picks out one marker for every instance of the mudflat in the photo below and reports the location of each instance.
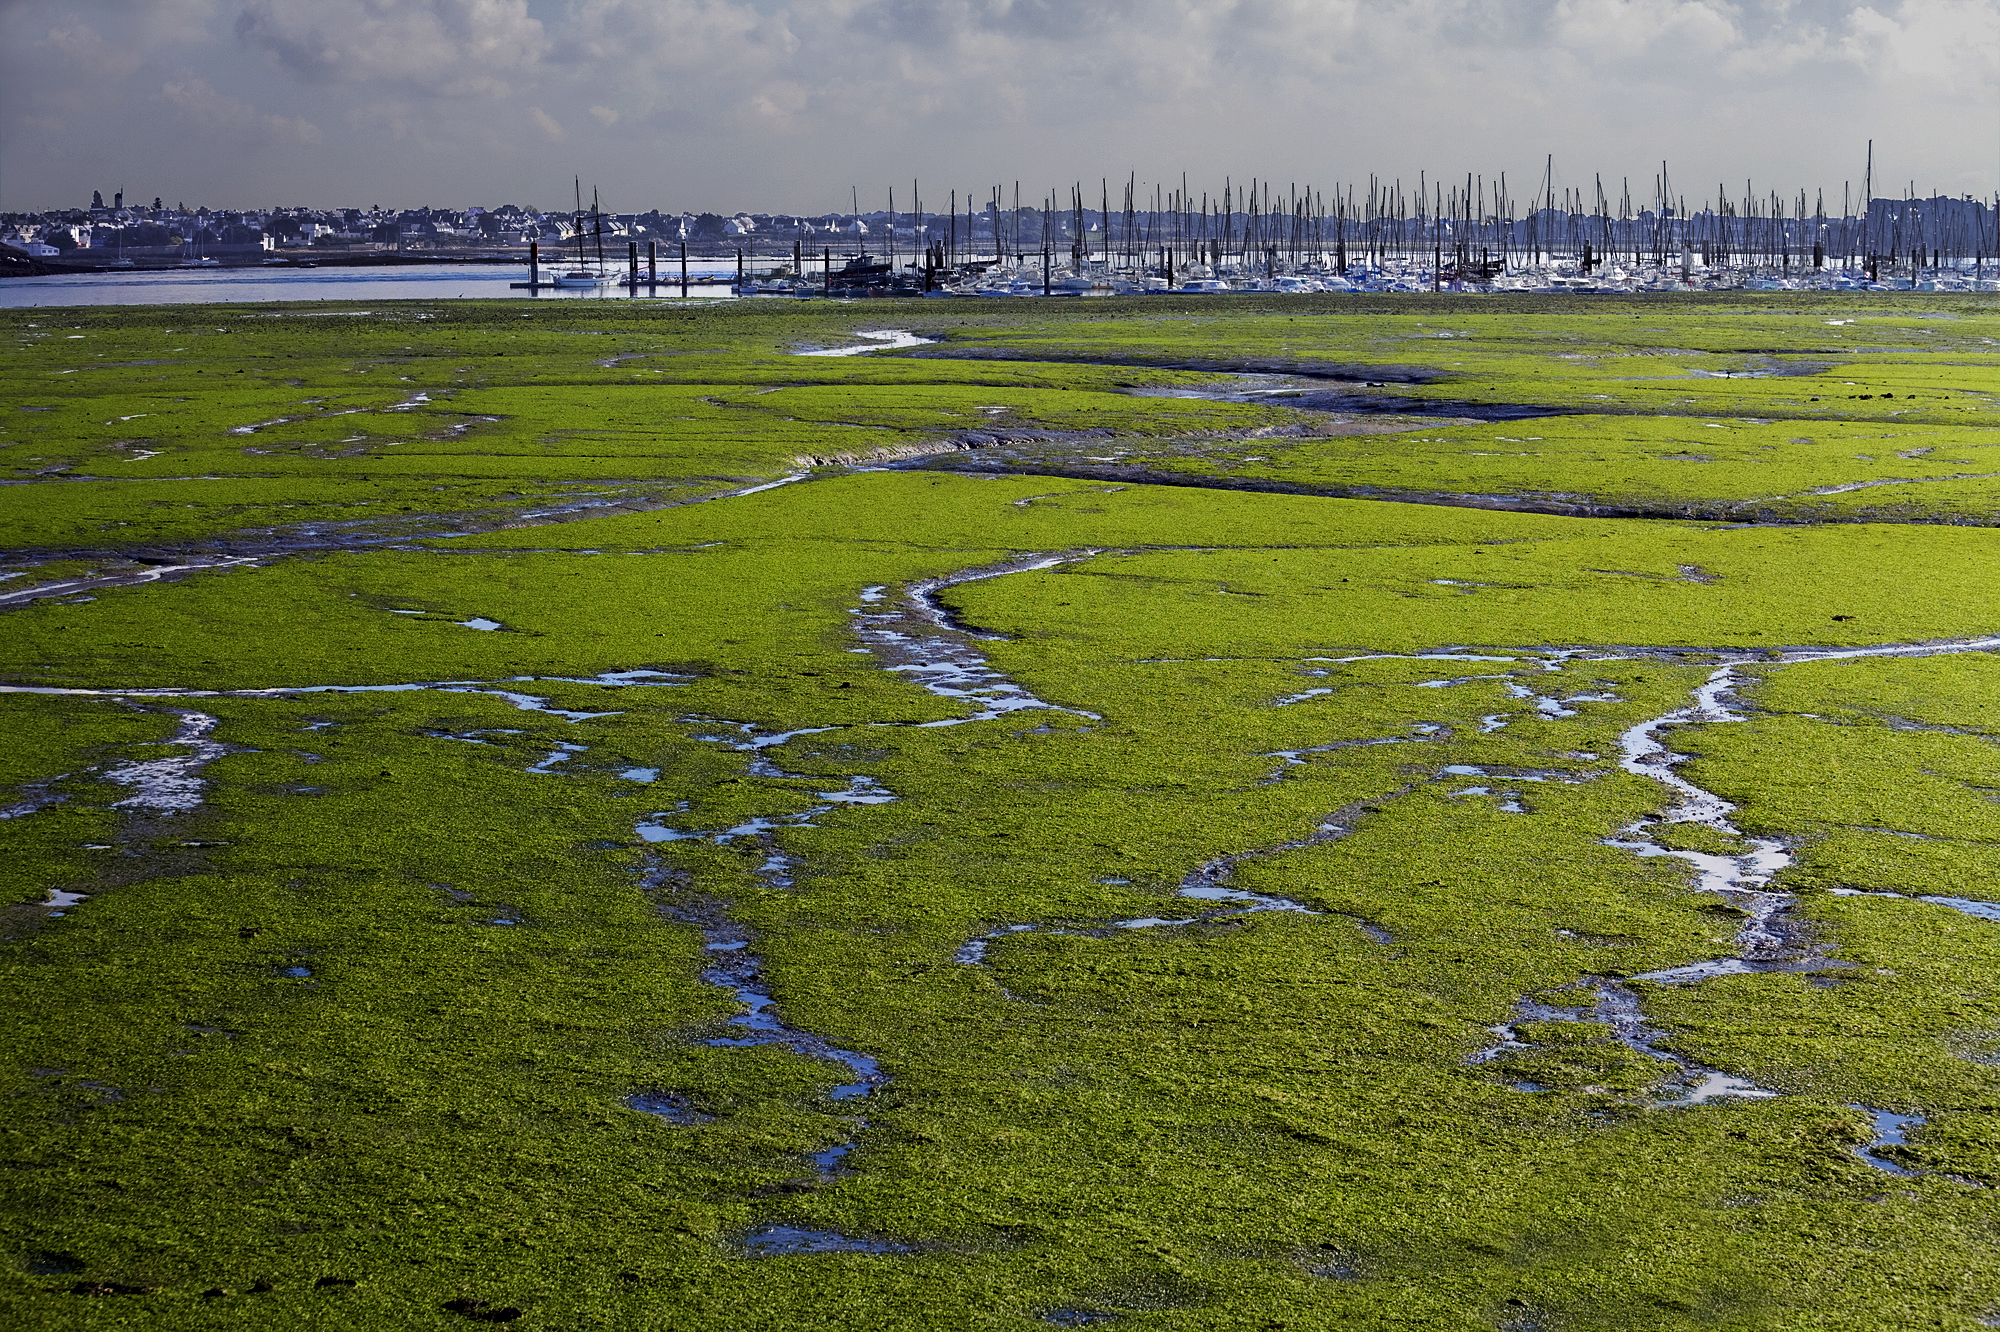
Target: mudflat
(1263, 812)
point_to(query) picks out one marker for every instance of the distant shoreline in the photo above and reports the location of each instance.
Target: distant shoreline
(21, 266)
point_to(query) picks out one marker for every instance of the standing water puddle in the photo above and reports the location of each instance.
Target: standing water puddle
(172, 785)
(1891, 1130)
(879, 340)
(773, 1240)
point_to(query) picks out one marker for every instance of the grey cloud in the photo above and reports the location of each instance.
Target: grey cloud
(778, 103)
(216, 114)
(438, 47)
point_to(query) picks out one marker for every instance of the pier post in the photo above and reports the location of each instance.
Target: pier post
(632, 265)
(652, 263)
(534, 265)
(684, 270)
(739, 272)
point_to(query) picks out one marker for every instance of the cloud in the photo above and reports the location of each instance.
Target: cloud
(217, 114)
(1934, 46)
(784, 103)
(440, 48)
(551, 129)
(93, 41)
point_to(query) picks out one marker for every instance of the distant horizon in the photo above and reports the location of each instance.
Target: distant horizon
(1523, 202)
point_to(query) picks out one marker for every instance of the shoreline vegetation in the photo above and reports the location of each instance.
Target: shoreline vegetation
(1307, 811)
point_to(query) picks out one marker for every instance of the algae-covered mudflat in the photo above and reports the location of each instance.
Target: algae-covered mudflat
(1468, 814)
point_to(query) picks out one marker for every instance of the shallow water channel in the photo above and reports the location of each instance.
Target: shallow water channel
(1766, 941)
(909, 633)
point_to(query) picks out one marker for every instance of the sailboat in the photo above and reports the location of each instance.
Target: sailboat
(583, 275)
(191, 255)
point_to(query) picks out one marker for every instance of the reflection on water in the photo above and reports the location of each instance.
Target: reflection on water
(403, 282)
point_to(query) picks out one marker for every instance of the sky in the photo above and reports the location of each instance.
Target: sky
(793, 105)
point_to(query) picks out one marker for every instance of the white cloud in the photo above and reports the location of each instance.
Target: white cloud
(550, 127)
(1939, 46)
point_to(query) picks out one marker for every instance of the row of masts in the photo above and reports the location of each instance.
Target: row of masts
(1470, 226)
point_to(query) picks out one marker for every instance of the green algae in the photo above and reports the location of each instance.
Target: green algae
(1255, 1119)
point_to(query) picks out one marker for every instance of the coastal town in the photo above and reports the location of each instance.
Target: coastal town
(1465, 237)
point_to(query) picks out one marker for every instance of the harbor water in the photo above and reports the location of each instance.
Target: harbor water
(182, 286)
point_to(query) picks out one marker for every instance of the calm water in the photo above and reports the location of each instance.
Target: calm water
(414, 282)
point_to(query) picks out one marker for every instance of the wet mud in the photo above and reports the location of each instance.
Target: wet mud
(958, 443)
(775, 1240)
(734, 966)
(146, 572)
(1333, 373)
(1612, 1005)
(909, 633)
(33, 796)
(1009, 459)
(526, 702)
(171, 784)
(137, 566)
(1367, 395)
(1767, 939)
